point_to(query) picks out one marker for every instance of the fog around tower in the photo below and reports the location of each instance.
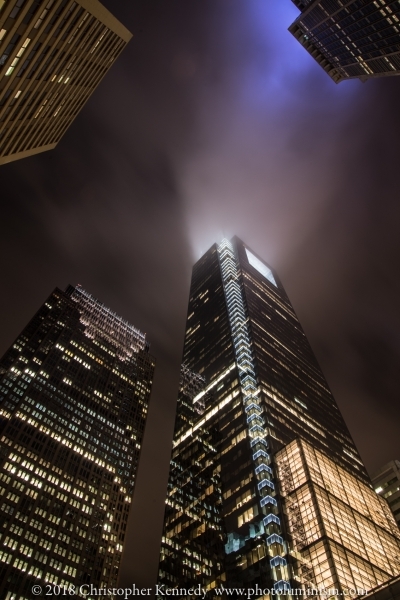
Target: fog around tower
(216, 122)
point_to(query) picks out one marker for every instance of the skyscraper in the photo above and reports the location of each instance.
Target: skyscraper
(74, 392)
(351, 38)
(53, 54)
(387, 483)
(233, 514)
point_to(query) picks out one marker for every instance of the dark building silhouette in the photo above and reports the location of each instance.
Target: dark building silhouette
(74, 393)
(351, 38)
(261, 454)
(53, 54)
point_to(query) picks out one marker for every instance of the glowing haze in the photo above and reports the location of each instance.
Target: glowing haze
(255, 147)
(215, 122)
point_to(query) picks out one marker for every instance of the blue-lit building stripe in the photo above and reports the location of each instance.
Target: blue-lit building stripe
(245, 362)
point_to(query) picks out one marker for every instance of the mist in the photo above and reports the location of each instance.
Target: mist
(214, 122)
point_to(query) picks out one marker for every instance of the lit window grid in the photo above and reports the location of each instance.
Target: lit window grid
(340, 483)
(13, 387)
(387, 484)
(335, 567)
(191, 513)
(240, 331)
(97, 316)
(343, 36)
(40, 133)
(209, 349)
(181, 523)
(319, 556)
(306, 462)
(340, 566)
(19, 386)
(207, 321)
(310, 514)
(356, 533)
(26, 477)
(96, 52)
(284, 354)
(353, 572)
(362, 533)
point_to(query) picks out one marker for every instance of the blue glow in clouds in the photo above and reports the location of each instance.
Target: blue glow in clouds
(270, 125)
(273, 63)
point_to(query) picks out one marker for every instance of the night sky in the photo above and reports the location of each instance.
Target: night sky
(213, 122)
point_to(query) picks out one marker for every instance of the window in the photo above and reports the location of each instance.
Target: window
(260, 267)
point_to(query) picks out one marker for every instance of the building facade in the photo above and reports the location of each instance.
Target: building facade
(387, 483)
(53, 54)
(225, 519)
(74, 393)
(387, 591)
(351, 38)
(342, 533)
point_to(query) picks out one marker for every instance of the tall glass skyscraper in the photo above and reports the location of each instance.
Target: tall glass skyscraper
(262, 413)
(74, 393)
(351, 38)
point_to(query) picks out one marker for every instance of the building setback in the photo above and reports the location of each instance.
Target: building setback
(227, 520)
(351, 38)
(53, 54)
(74, 393)
(387, 483)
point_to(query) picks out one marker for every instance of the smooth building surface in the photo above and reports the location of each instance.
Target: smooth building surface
(74, 393)
(387, 483)
(351, 38)
(342, 533)
(53, 54)
(262, 389)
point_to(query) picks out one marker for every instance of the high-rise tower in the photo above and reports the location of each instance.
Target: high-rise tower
(74, 393)
(351, 38)
(247, 441)
(53, 54)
